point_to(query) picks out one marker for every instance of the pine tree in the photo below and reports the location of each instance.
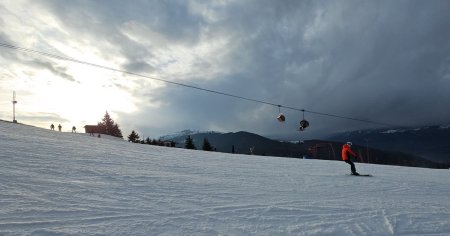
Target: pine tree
(107, 126)
(189, 143)
(206, 145)
(133, 137)
(116, 132)
(148, 141)
(154, 142)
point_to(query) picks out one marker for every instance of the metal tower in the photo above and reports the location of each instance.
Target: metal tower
(14, 107)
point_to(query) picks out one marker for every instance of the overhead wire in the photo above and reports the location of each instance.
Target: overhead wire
(58, 57)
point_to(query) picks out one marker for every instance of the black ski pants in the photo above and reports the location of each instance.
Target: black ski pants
(352, 165)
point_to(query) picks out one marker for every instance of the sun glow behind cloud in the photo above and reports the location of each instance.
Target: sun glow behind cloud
(59, 91)
(51, 90)
(79, 102)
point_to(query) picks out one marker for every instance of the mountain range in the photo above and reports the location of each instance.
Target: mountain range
(248, 143)
(429, 142)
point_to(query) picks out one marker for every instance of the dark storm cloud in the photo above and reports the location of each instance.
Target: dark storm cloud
(377, 60)
(386, 61)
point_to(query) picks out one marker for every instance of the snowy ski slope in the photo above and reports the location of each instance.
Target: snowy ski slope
(56, 183)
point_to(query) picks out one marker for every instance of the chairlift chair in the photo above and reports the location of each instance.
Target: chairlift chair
(280, 117)
(303, 123)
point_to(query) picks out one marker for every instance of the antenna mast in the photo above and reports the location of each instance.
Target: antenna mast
(14, 107)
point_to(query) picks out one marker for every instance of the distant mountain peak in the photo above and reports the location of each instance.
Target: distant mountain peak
(185, 133)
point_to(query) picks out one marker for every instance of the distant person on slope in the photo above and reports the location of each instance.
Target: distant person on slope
(346, 152)
(59, 127)
(52, 127)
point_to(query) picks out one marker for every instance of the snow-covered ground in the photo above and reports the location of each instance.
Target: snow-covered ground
(54, 183)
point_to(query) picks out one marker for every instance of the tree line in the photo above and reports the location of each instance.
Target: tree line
(109, 127)
(188, 143)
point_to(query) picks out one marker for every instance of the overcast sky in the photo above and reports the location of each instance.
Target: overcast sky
(384, 61)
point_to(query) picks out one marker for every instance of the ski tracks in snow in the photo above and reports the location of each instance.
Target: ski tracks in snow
(72, 184)
(387, 222)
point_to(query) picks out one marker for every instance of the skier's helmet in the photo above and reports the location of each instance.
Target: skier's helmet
(349, 143)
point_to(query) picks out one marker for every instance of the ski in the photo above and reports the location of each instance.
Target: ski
(363, 175)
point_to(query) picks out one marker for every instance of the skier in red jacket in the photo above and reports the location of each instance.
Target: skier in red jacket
(346, 152)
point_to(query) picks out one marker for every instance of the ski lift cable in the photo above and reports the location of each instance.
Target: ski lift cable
(32, 51)
(128, 72)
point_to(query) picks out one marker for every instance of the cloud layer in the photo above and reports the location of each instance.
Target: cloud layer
(386, 61)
